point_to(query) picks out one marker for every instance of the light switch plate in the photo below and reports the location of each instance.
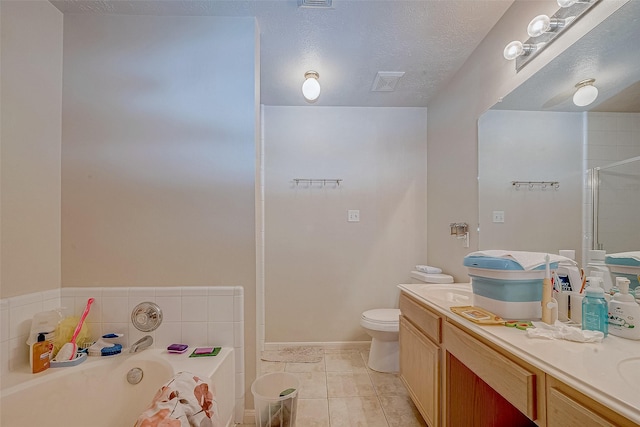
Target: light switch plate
(498, 216)
(353, 215)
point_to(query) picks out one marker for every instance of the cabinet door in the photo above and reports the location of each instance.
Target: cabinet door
(420, 371)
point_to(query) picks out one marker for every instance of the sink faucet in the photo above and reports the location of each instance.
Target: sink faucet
(141, 344)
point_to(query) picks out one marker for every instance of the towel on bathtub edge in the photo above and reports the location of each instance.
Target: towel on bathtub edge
(183, 401)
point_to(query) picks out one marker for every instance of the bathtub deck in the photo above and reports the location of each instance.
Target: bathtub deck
(219, 370)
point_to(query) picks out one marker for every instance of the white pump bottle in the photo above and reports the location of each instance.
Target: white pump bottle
(624, 312)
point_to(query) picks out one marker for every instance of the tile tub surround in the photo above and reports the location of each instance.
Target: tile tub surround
(341, 391)
(211, 315)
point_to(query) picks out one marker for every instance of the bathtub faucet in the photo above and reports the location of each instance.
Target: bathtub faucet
(141, 344)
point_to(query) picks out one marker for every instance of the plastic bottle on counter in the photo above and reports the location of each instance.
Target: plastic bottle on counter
(595, 265)
(568, 272)
(624, 312)
(595, 310)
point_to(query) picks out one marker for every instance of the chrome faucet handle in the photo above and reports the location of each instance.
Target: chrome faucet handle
(146, 316)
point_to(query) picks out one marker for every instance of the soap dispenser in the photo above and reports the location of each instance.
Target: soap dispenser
(39, 354)
(624, 312)
(595, 313)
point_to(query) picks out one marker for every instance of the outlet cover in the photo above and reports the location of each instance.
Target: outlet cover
(498, 216)
(353, 215)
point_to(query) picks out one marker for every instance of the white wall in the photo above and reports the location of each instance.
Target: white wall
(31, 98)
(452, 123)
(158, 151)
(612, 137)
(531, 146)
(322, 271)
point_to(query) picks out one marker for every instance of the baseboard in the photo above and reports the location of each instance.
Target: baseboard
(335, 345)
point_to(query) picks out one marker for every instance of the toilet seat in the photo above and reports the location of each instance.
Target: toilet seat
(381, 319)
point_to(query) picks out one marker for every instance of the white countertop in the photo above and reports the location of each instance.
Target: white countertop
(591, 368)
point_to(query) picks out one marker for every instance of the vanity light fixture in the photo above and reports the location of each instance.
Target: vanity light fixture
(311, 86)
(516, 49)
(543, 24)
(544, 29)
(586, 93)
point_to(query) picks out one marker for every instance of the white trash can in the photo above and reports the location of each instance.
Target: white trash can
(275, 397)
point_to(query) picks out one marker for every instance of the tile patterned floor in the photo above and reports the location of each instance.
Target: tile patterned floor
(341, 391)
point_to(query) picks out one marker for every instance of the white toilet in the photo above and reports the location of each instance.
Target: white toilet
(383, 325)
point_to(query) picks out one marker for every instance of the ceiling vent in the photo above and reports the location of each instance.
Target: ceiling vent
(386, 81)
(318, 4)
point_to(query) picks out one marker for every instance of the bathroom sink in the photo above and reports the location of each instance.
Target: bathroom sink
(453, 294)
(629, 370)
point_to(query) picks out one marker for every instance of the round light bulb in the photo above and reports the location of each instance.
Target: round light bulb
(311, 86)
(566, 3)
(513, 50)
(585, 95)
(539, 25)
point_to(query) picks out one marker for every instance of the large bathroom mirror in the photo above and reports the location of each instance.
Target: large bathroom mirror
(535, 150)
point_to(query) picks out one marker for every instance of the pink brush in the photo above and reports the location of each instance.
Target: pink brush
(69, 350)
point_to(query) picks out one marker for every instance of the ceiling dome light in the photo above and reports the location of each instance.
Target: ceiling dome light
(311, 86)
(586, 93)
(516, 49)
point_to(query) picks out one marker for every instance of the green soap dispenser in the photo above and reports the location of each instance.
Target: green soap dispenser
(624, 312)
(594, 307)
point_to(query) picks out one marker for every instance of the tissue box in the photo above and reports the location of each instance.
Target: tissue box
(502, 286)
(624, 267)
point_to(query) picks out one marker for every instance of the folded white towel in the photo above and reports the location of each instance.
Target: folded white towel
(528, 260)
(560, 331)
(428, 269)
(634, 255)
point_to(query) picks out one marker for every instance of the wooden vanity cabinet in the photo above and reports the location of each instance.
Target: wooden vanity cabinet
(457, 378)
(420, 335)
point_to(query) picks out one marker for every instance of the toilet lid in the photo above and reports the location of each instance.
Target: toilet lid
(382, 315)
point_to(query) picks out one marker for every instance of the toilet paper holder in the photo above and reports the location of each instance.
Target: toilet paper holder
(461, 231)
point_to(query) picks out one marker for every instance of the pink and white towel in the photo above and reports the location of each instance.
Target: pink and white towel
(184, 401)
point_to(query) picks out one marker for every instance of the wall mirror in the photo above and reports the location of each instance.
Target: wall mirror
(536, 137)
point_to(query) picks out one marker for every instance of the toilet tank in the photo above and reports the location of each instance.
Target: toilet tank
(420, 277)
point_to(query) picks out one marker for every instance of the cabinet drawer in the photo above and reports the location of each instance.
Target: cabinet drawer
(428, 322)
(567, 407)
(562, 411)
(513, 382)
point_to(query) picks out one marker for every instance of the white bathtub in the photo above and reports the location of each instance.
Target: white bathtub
(96, 393)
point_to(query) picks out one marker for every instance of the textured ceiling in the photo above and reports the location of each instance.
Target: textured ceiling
(610, 53)
(348, 44)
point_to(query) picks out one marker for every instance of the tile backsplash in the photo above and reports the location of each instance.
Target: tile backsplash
(208, 315)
